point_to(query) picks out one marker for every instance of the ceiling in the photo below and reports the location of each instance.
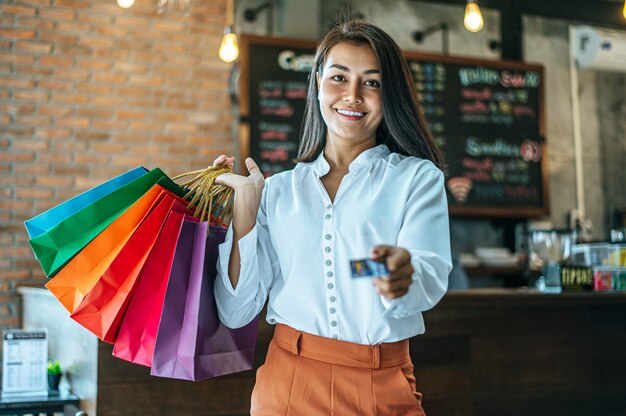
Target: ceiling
(605, 13)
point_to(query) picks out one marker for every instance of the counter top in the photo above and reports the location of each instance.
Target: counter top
(494, 296)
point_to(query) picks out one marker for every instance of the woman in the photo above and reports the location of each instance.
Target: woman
(369, 184)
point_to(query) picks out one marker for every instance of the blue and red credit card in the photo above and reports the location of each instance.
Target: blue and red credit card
(368, 268)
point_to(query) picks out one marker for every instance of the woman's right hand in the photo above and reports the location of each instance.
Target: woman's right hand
(254, 181)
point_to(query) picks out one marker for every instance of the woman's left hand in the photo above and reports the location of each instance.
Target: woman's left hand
(400, 277)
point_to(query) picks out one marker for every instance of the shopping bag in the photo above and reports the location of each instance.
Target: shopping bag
(48, 219)
(57, 246)
(138, 330)
(102, 309)
(191, 342)
(71, 284)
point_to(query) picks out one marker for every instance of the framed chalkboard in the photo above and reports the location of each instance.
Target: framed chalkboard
(487, 117)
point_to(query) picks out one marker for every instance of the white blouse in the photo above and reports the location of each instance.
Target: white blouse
(299, 250)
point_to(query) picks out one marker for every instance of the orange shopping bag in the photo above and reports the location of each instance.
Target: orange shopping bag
(101, 311)
(76, 278)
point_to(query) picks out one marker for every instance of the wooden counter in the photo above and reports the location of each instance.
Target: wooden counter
(519, 352)
(485, 352)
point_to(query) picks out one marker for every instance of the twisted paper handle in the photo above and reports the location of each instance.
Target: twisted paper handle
(212, 202)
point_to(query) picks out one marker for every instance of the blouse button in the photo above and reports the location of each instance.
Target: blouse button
(328, 262)
(335, 336)
(333, 310)
(333, 323)
(327, 216)
(332, 298)
(330, 286)
(329, 206)
(327, 249)
(327, 236)
(329, 274)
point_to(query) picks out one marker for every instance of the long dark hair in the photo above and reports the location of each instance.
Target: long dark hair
(403, 128)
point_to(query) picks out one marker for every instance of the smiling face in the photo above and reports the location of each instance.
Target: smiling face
(349, 93)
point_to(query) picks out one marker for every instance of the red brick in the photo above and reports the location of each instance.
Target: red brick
(94, 88)
(55, 110)
(17, 33)
(146, 80)
(96, 19)
(95, 112)
(132, 115)
(110, 148)
(60, 14)
(73, 74)
(109, 77)
(36, 145)
(36, 193)
(19, 132)
(17, 9)
(112, 100)
(34, 120)
(71, 170)
(111, 53)
(74, 26)
(12, 180)
(33, 71)
(15, 206)
(109, 124)
(34, 95)
(35, 47)
(73, 50)
(114, 31)
(97, 42)
(32, 169)
(6, 20)
(92, 136)
(71, 146)
(52, 133)
(129, 161)
(16, 58)
(16, 157)
(74, 4)
(55, 84)
(60, 98)
(76, 122)
(34, 22)
(131, 67)
(55, 157)
(5, 119)
(56, 60)
(135, 23)
(90, 64)
(13, 82)
(56, 181)
(92, 159)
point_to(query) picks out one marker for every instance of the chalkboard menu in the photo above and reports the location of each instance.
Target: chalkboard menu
(487, 117)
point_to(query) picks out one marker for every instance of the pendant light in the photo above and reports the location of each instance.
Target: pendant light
(473, 19)
(229, 49)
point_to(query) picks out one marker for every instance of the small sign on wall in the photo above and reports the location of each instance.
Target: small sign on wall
(24, 362)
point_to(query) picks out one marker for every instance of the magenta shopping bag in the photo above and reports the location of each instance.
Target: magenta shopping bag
(191, 343)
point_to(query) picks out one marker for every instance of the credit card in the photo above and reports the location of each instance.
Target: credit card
(368, 268)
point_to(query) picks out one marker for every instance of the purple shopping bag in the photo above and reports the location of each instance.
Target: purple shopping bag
(191, 343)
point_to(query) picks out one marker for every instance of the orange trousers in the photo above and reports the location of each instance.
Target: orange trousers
(309, 375)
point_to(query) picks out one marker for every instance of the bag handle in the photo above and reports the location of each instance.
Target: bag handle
(212, 202)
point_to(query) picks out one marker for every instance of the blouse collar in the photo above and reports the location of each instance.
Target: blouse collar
(366, 158)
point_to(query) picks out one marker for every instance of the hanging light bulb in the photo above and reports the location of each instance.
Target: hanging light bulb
(624, 11)
(473, 20)
(229, 49)
(125, 4)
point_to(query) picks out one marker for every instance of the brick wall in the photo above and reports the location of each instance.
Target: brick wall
(89, 90)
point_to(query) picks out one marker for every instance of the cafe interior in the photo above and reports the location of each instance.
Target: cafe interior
(526, 99)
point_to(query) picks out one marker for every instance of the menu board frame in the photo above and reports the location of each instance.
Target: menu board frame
(537, 209)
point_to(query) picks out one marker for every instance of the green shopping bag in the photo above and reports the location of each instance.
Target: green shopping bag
(58, 245)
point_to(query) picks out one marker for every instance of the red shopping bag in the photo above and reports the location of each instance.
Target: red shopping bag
(72, 283)
(138, 330)
(102, 309)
